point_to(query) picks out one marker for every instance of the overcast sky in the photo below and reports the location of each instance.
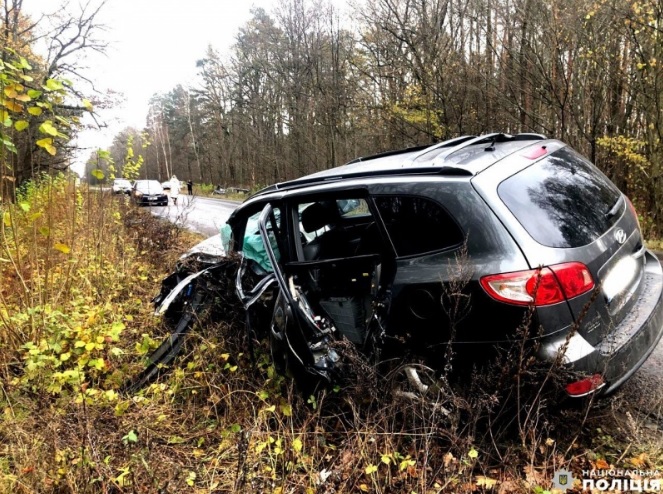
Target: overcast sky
(154, 45)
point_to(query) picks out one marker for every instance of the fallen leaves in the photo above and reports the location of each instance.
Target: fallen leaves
(640, 461)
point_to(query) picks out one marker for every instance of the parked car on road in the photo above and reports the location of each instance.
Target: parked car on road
(148, 192)
(410, 253)
(121, 186)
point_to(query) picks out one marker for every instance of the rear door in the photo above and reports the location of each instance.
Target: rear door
(566, 210)
(444, 238)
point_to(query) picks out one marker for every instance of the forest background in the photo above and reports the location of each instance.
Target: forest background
(305, 88)
(302, 89)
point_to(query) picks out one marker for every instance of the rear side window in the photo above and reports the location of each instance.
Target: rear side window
(417, 225)
(562, 200)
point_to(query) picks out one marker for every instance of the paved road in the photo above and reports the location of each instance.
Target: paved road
(203, 215)
(206, 215)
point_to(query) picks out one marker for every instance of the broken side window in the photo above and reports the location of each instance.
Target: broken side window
(334, 228)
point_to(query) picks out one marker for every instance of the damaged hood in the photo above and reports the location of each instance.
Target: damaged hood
(210, 247)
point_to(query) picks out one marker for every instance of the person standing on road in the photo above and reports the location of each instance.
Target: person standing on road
(189, 187)
(174, 188)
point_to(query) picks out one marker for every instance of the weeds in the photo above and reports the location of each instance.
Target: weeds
(76, 322)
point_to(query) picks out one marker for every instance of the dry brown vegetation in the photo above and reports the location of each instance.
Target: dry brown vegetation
(77, 322)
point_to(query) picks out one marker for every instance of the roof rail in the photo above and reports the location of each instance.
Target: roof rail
(441, 167)
(444, 144)
(492, 138)
(388, 153)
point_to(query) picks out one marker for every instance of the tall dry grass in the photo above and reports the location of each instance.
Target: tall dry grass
(79, 268)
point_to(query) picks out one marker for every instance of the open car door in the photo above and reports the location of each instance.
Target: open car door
(334, 289)
(298, 338)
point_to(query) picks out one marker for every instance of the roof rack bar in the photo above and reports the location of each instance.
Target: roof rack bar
(386, 153)
(494, 137)
(448, 143)
(470, 142)
(527, 136)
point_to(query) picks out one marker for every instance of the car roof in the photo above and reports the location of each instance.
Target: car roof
(462, 156)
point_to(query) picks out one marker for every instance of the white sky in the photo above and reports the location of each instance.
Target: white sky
(154, 45)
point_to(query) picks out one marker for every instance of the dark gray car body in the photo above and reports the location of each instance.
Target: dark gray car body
(388, 292)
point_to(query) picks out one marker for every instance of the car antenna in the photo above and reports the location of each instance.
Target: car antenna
(491, 146)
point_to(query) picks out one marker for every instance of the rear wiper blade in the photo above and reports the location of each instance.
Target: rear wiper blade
(616, 208)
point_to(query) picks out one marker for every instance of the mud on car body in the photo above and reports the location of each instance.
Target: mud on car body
(369, 252)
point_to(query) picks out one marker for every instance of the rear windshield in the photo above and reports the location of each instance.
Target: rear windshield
(562, 200)
(151, 186)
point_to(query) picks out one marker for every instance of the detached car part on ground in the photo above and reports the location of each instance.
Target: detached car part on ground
(427, 253)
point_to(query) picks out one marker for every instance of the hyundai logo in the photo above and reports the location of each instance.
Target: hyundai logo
(620, 235)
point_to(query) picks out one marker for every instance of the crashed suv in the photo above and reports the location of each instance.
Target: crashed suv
(521, 227)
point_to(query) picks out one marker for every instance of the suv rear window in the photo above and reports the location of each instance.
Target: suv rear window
(562, 200)
(417, 225)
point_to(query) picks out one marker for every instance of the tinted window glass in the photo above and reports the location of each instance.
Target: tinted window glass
(562, 200)
(417, 225)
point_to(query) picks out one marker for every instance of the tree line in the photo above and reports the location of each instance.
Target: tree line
(312, 84)
(305, 89)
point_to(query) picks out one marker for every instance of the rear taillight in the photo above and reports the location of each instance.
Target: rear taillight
(544, 286)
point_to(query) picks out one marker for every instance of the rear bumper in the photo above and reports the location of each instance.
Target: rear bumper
(627, 346)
